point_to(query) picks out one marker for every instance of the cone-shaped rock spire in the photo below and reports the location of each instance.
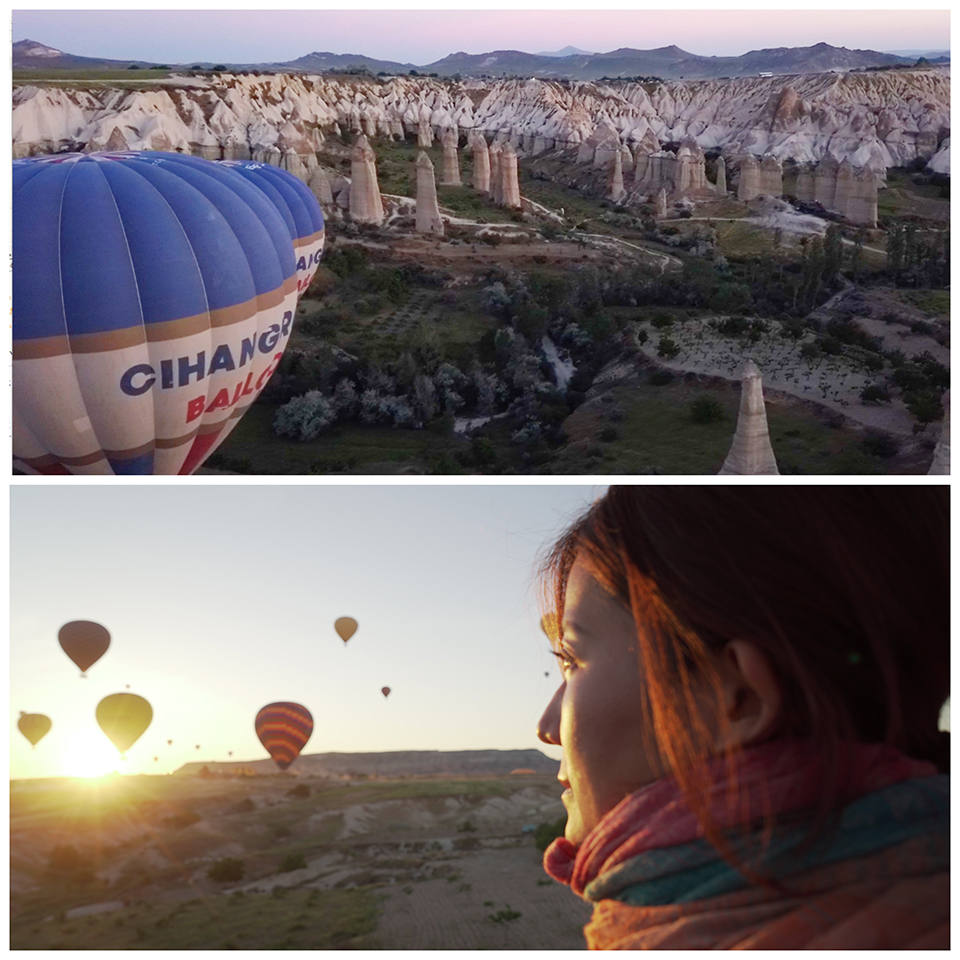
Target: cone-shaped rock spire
(451, 165)
(365, 203)
(428, 213)
(751, 452)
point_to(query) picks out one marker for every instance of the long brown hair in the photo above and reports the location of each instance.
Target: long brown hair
(845, 589)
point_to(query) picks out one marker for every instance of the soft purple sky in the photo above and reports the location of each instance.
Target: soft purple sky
(423, 36)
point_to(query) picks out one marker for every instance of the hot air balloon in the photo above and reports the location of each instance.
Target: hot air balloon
(123, 717)
(84, 642)
(155, 759)
(169, 743)
(385, 691)
(198, 746)
(34, 726)
(346, 627)
(153, 297)
(229, 753)
(284, 729)
(298, 207)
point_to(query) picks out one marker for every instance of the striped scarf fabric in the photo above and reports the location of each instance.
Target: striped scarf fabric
(879, 879)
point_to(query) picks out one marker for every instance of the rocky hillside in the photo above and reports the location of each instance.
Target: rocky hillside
(882, 119)
(398, 763)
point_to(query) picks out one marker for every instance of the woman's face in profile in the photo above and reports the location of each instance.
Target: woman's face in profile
(595, 715)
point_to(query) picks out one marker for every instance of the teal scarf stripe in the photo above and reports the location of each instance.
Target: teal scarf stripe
(695, 871)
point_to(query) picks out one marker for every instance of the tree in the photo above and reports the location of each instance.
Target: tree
(305, 417)
(227, 870)
(832, 253)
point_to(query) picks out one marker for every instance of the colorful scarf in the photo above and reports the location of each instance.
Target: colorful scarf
(650, 848)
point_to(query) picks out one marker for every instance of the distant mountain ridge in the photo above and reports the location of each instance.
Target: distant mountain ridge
(670, 62)
(396, 763)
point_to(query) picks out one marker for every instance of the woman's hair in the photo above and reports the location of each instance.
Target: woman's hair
(845, 589)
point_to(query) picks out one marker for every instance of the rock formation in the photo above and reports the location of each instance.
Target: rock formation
(662, 204)
(721, 185)
(509, 174)
(320, 187)
(451, 166)
(843, 187)
(825, 182)
(691, 171)
(771, 177)
(941, 455)
(626, 158)
(481, 163)
(365, 203)
(428, 213)
(751, 452)
(616, 182)
(496, 181)
(749, 186)
(424, 134)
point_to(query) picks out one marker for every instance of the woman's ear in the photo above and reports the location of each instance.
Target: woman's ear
(751, 694)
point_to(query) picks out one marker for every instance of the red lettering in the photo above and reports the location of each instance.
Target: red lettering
(246, 386)
(195, 408)
(222, 399)
(236, 393)
(268, 373)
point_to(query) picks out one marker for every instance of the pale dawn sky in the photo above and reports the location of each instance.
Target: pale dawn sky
(221, 599)
(424, 36)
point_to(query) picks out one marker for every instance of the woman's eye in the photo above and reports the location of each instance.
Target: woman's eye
(565, 660)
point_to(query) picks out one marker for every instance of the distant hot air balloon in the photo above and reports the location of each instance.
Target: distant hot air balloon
(229, 753)
(169, 743)
(385, 691)
(123, 717)
(283, 729)
(546, 673)
(84, 642)
(346, 627)
(128, 686)
(155, 759)
(153, 297)
(298, 207)
(550, 626)
(198, 746)
(34, 726)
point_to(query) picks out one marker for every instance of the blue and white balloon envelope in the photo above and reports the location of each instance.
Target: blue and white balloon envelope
(153, 297)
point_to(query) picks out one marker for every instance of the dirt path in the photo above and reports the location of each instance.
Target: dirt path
(453, 912)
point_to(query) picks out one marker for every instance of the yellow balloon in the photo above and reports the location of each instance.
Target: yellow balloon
(123, 717)
(346, 627)
(34, 726)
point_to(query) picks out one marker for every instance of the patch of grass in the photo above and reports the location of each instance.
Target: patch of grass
(334, 920)
(934, 303)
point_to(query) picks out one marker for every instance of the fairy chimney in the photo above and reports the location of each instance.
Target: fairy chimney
(496, 183)
(721, 186)
(424, 134)
(941, 456)
(428, 213)
(749, 179)
(751, 452)
(451, 166)
(509, 174)
(320, 187)
(365, 203)
(481, 163)
(616, 182)
(771, 176)
(662, 204)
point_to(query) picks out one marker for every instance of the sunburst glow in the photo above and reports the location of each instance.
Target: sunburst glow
(90, 757)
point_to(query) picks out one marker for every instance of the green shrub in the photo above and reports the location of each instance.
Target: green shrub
(300, 790)
(292, 861)
(548, 831)
(227, 870)
(667, 348)
(872, 393)
(880, 445)
(706, 409)
(660, 378)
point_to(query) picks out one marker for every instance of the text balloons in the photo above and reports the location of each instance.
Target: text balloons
(283, 729)
(34, 726)
(385, 691)
(84, 642)
(346, 627)
(153, 297)
(123, 717)
(298, 207)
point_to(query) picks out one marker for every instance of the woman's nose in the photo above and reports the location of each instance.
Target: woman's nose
(548, 729)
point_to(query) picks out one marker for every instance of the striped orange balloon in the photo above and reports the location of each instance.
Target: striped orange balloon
(284, 729)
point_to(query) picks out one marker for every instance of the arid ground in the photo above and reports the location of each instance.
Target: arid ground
(411, 863)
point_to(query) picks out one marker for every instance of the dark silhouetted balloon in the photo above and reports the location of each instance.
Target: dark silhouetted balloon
(385, 691)
(283, 729)
(84, 642)
(169, 743)
(34, 726)
(229, 753)
(346, 627)
(123, 717)
(546, 673)
(198, 746)
(153, 297)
